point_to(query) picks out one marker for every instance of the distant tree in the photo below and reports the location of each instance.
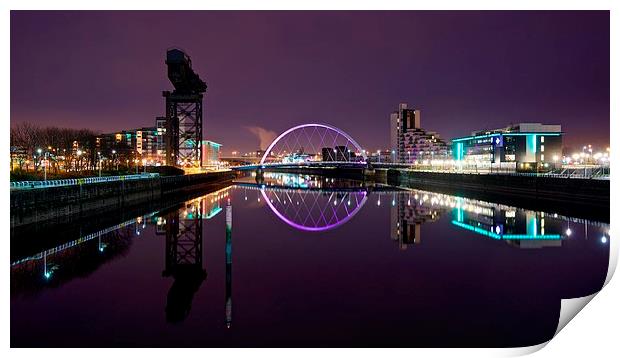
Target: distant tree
(27, 138)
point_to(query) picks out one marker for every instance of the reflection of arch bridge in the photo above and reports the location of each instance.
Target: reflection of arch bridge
(311, 209)
(311, 203)
(311, 145)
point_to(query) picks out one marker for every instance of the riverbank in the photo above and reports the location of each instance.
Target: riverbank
(66, 203)
(583, 198)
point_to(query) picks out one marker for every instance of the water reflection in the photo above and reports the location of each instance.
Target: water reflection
(309, 203)
(228, 307)
(321, 207)
(518, 227)
(74, 258)
(182, 226)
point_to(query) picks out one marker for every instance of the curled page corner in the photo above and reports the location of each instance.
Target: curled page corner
(569, 309)
(523, 351)
(613, 260)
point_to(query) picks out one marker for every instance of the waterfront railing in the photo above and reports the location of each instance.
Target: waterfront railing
(36, 184)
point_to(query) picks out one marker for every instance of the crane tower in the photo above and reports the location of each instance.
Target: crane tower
(183, 137)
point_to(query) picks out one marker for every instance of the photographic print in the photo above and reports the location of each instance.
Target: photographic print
(398, 178)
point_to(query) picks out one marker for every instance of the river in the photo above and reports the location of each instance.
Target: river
(304, 261)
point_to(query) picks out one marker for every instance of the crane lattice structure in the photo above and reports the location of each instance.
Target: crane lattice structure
(183, 112)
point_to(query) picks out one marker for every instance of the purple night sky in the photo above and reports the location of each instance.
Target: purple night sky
(268, 71)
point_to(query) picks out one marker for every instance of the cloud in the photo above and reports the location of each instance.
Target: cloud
(265, 136)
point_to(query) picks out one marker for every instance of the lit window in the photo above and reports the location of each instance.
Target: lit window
(542, 157)
(542, 148)
(542, 139)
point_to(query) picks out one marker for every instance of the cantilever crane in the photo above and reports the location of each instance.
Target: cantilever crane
(183, 111)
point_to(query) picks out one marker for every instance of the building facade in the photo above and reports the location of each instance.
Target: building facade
(410, 142)
(527, 147)
(328, 155)
(139, 143)
(211, 152)
(160, 139)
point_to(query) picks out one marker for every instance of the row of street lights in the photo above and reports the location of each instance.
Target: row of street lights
(79, 153)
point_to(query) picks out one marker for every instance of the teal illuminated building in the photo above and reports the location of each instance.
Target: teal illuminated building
(210, 153)
(527, 147)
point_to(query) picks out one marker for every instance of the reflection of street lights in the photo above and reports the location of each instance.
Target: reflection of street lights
(144, 164)
(46, 273)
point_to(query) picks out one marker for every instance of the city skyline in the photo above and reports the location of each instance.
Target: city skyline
(277, 69)
(401, 178)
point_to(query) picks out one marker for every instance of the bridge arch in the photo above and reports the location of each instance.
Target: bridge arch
(315, 127)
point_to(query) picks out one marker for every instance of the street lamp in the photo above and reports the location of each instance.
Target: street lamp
(45, 166)
(39, 150)
(79, 153)
(114, 159)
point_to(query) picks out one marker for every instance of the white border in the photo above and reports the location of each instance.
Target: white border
(594, 330)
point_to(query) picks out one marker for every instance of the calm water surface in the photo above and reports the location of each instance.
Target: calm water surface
(308, 261)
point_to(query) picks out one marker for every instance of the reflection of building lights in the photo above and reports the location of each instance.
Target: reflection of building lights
(568, 232)
(604, 239)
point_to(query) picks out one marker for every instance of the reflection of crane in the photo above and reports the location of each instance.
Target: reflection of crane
(183, 262)
(183, 111)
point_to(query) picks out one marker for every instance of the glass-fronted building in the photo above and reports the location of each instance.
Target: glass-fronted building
(210, 154)
(527, 147)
